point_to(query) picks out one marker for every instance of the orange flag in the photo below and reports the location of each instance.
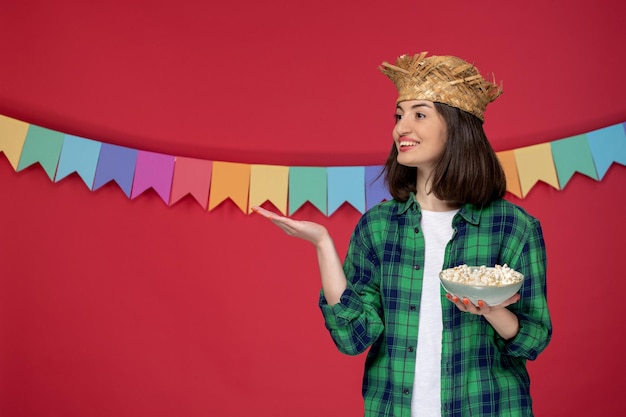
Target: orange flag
(507, 160)
(230, 180)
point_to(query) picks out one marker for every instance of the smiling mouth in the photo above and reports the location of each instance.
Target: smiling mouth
(407, 144)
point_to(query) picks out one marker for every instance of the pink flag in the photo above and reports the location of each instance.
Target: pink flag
(192, 176)
(153, 170)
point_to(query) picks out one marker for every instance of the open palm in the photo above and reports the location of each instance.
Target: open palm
(309, 231)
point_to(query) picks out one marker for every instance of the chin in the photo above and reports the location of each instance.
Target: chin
(406, 162)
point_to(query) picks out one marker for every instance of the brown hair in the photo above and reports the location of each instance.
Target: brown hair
(468, 172)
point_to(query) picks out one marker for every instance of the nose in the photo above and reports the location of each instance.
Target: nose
(401, 128)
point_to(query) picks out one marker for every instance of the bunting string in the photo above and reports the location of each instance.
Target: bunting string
(287, 188)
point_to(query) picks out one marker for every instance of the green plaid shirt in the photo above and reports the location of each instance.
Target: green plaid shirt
(481, 373)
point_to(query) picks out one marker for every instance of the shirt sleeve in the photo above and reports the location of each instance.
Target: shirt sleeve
(535, 327)
(355, 322)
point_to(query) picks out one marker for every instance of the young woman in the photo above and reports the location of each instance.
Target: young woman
(430, 353)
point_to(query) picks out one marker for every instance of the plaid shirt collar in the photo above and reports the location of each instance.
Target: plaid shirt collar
(469, 212)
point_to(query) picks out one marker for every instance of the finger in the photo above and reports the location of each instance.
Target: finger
(287, 225)
(469, 306)
(456, 301)
(284, 223)
(263, 212)
(451, 297)
(482, 307)
(277, 219)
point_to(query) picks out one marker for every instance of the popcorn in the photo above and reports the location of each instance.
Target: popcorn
(482, 276)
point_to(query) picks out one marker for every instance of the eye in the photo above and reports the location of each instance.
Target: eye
(419, 115)
(397, 117)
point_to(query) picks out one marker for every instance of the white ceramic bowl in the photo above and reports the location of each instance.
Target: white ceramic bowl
(490, 294)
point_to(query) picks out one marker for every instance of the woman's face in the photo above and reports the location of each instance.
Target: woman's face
(419, 134)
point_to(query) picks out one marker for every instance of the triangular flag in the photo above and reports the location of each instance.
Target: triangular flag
(44, 146)
(307, 184)
(230, 180)
(81, 156)
(153, 170)
(607, 145)
(269, 183)
(116, 163)
(191, 176)
(572, 155)
(12, 136)
(509, 166)
(346, 184)
(375, 189)
(534, 163)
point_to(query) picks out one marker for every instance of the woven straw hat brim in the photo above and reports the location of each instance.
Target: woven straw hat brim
(443, 79)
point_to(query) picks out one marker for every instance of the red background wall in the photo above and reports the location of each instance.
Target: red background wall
(118, 307)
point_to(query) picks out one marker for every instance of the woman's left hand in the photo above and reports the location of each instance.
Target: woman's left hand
(464, 304)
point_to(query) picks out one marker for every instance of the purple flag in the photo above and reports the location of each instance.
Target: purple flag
(116, 163)
(375, 189)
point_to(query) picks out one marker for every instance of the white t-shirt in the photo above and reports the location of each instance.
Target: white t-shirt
(426, 399)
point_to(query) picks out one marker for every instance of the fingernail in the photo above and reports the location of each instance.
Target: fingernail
(480, 304)
(448, 296)
(465, 301)
(455, 298)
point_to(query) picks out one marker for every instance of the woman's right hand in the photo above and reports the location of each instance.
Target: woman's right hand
(333, 278)
(309, 231)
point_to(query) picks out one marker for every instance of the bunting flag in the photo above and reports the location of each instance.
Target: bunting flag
(43, 146)
(573, 155)
(81, 156)
(116, 163)
(153, 170)
(375, 189)
(307, 184)
(534, 163)
(346, 185)
(269, 183)
(230, 180)
(12, 137)
(193, 177)
(211, 183)
(608, 145)
(509, 166)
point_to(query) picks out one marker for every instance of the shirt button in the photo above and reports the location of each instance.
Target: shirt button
(416, 267)
(405, 391)
(411, 349)
(416, 230)
(413, 308)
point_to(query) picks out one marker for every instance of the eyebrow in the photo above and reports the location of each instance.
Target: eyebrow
(415, 106)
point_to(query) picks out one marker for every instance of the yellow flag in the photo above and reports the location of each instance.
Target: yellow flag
(12, 136)
(535, 163)
(269, 183)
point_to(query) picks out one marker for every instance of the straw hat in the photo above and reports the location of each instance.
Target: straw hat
(443, 79)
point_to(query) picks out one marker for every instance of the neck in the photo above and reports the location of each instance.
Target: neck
(427, 200)
(431, 203)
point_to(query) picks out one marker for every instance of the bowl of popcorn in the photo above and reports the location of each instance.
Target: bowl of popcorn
(492, 285)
